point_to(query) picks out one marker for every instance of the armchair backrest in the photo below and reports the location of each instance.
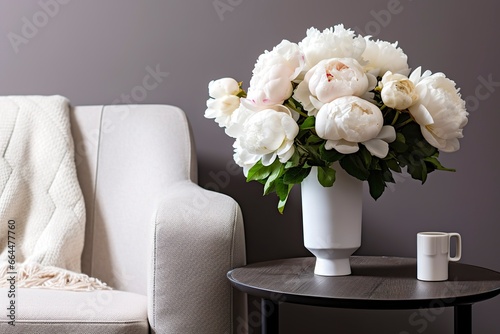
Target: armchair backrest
(126, 157)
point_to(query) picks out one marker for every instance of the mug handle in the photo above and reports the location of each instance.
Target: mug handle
(458, 254)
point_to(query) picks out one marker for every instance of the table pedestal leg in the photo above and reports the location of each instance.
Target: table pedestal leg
(270, 316)
(463, 319)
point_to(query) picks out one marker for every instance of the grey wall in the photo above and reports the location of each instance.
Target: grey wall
(99, 52)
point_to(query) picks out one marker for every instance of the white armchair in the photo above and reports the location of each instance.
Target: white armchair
(162, 242)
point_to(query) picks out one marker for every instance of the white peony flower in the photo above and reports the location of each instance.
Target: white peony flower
(243, 158)
(350, 120)
(267, 135)
(237, 121)
(287, 54)
(222, 87)
(440, 110)
(221, 109)
(379, 146)
(398, 91)
(271, 87)
(336, 42)
(224, 100)
(331, 79)
(244, 112)
(273, 74)
(383, 56)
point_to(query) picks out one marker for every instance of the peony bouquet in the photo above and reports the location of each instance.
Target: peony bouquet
(336, 97)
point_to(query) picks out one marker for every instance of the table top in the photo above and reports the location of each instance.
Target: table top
(375, 283)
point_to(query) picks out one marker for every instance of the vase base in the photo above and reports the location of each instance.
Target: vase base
(332, 267)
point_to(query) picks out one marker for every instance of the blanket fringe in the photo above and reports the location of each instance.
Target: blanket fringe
(34, 275)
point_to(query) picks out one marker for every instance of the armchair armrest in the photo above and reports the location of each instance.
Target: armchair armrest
(198, 237)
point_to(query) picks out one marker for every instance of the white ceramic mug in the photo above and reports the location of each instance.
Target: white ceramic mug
(433, 254)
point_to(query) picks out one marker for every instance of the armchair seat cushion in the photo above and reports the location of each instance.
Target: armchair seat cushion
(104, 311)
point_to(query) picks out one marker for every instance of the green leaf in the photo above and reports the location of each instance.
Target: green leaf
(375, 164)
(295, 175)
(308, 123)
(354, 166)
(386, 173)
(269, 187)
(326, 176)
(294, 160)
(277, 171)
(412, 130)
(393, 165)
(259, 172)
(435, 162)
(366, 156)
(400, 137)
(329, 155)
(387, 176)
(423, 149)
(418, 171)
(399, 147)
(313, 139)
(403, 162)
(282, 190)
(377, 184)
(295, 105)
(424, 173)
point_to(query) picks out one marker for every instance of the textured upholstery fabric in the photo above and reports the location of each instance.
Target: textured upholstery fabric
(140, 151)
(191, 297)
(150, 229)
(102, 311)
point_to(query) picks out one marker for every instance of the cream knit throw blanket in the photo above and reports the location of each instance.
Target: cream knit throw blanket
(42, 210)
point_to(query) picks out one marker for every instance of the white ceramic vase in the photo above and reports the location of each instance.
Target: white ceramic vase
(332, 221)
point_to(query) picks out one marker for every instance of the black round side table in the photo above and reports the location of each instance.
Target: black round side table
(375, 283)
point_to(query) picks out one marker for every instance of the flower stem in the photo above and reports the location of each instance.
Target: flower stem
(300, 112)
(301, 148)
(289, 105)
(409, 120)
(394, 120)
